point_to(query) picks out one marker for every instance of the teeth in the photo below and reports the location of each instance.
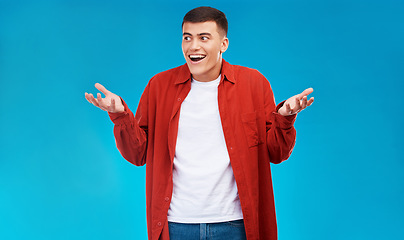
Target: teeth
(196, 56)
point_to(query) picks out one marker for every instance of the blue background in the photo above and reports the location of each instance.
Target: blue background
(61, 176)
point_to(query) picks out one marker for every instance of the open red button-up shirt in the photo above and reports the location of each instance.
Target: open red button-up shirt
(255, 135)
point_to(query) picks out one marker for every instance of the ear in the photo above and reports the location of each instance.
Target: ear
(224, 45)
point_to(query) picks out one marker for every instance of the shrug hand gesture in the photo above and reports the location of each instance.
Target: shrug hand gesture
(111, 103)
(296, 103)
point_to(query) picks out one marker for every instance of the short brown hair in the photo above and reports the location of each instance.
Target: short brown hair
(205, 14)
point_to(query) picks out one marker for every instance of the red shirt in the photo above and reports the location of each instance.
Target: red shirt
(255, 133)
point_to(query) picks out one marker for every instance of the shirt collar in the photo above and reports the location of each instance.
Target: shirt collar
(227, 73)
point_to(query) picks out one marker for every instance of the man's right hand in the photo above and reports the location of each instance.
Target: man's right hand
(111, 103)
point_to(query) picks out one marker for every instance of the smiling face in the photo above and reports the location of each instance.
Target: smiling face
(202, 46)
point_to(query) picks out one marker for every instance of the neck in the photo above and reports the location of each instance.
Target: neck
(213, 74)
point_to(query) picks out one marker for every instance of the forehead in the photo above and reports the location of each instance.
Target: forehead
(200, 27)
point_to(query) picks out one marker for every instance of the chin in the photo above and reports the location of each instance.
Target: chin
(196, 70)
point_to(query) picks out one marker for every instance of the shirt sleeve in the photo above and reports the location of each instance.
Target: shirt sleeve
(281, 134)
(131, 132)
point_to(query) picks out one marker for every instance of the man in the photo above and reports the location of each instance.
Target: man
(207, 131)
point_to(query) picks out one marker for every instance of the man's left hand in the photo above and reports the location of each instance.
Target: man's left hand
(296, 103)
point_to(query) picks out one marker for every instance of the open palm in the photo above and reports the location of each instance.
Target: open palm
(296, 103)
(110, 103)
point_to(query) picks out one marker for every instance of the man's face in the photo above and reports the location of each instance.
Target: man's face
(202, 46)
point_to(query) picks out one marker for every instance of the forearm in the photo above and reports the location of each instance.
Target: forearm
(130, 137)
(281, 136)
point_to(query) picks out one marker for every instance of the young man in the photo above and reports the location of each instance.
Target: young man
(207, 132)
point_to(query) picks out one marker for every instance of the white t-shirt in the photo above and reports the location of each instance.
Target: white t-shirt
(204, 190)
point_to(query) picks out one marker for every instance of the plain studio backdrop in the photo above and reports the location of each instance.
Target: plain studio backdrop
(61, 176)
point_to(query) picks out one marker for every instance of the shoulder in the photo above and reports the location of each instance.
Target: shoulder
(247, 75)
(247, 71)
(169, 72)
(240, 72)
(171, 75)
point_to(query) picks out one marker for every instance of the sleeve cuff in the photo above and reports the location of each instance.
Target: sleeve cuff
(122, 117)
(283, 122)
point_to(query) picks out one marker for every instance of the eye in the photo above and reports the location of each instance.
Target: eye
(203, 38)
(186, 38)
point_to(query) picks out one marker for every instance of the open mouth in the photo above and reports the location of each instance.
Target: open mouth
(196, 57)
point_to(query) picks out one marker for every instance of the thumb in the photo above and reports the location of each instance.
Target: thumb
(306, 92)
(102, 88)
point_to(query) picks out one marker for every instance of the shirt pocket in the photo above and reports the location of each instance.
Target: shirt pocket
(251, 129)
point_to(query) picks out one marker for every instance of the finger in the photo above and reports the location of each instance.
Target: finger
(87, 98)
(306, 92)
(304, 103)
(311, 100)
(288, 109)
(101, 102)
(101, 88)
(112, 107)
(297, 105)
(93, 100)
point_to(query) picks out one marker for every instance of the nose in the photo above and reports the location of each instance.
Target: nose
(194, 45)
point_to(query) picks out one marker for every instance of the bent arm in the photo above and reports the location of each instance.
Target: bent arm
(131, 134)
(281, 134)
(130, 131)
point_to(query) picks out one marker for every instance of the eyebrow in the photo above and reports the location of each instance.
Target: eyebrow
(199, 34)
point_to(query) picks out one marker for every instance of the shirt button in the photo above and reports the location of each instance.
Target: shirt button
(179, 99)
(231, 148)
(166, 199)
(159, 224)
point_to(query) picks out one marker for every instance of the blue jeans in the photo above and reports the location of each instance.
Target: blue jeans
(233, 230)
